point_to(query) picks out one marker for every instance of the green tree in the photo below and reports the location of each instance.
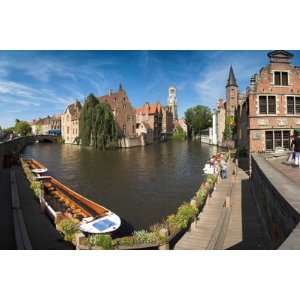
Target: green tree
(179, 134)
(230, 128)
(97, 124)
(198, 118)
(22, 128)
(7, 131)
(39, 128)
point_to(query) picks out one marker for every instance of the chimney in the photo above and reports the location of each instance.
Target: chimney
(109, 92)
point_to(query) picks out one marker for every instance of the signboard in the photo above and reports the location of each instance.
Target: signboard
(256, 135)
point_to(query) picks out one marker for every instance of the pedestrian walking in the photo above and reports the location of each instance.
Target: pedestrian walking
(296, 146)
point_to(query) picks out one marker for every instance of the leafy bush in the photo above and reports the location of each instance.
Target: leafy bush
(201, 194)
(37, 188)
(100, 240)
(173, 223)
(185, 213)
(145, 237)
(181, 219)
(124, 241)
(158, 226)
(68, 226)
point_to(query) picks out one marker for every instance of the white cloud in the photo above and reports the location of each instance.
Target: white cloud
(211, 83)
(14, 88)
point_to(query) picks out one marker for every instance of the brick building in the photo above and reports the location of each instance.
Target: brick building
(167, 126)
(220, 121)
(70, 122)
(123, 111)
(152, 115)
(271, 109)
(46, 125)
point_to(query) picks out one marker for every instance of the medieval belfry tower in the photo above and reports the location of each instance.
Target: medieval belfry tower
(232, 91)
(172, 102)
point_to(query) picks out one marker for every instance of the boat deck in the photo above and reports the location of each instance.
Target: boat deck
(66, 200)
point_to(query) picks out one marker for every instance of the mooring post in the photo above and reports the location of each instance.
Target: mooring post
(194, 224)
(164, 233)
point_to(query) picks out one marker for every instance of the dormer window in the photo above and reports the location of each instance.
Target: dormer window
(281, 78)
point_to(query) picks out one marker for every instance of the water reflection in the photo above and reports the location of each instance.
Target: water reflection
(142, 185)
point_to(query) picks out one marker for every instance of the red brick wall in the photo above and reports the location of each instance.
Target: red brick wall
(258, 123)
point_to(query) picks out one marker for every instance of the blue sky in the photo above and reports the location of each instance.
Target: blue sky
(37, 83)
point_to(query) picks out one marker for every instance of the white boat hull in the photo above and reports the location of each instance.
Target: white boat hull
(105, 224)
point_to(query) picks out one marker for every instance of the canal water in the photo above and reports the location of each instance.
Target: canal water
(142, 185)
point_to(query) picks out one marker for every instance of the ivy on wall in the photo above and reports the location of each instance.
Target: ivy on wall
(230, 128)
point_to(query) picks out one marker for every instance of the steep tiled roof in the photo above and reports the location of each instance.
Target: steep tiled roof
(149, 108)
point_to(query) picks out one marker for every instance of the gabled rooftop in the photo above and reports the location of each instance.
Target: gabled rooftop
(280, 56)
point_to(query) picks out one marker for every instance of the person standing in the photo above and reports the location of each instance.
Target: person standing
(296, 146)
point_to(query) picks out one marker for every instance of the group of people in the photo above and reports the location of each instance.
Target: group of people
(215, 164)
(295, 146)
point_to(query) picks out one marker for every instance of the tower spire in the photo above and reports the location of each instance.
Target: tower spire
(231, 81)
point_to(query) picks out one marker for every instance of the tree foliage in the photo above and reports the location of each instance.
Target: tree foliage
(97, 125)
(179, 133)
(229, 128)
(198, 118)
(22, 128)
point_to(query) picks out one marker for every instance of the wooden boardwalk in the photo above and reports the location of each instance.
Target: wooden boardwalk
(234, 227)
(205, 235)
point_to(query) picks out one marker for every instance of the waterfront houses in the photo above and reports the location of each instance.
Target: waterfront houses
(70, 123)
(150, 116)
(48, 125)
(123, 111)
(167, 121)
(135, 127)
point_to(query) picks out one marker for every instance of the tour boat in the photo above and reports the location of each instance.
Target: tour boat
(94, 218)
(39, 171)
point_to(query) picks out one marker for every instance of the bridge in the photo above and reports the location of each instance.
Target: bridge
(10, 150)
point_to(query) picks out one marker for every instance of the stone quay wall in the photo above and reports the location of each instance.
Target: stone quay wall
(278, 201)
(9, 151)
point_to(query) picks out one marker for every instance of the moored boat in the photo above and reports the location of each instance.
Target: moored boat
(94, 218)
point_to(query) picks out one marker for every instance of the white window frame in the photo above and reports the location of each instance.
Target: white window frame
(273, 139)
(273, 77)
(294, 96)
(267, 114)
